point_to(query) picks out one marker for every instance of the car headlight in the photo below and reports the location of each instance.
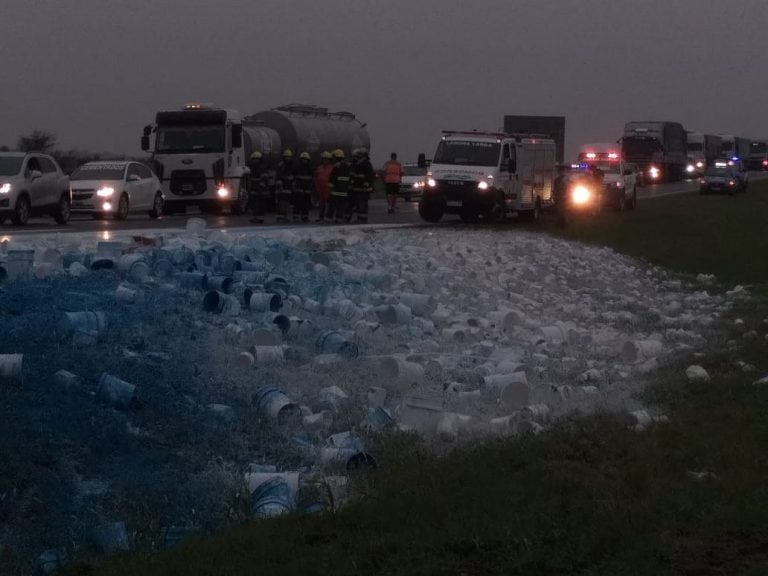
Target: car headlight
(222, 192)
(699, 164)
(482, 185)
(431, 183)
(654, 172)
(620, 184)
(415, 185)
(5, 188)
(690, 168)
(105, 192)
(581, 195)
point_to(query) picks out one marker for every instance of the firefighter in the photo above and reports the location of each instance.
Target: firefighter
(393, 176)
(302, 188)
(255, 190)
(338, 185)
(361, 184)
(285, 183)
(322, 174)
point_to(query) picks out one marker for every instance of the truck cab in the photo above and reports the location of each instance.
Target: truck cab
(620, 182)
(198, 156)
(486, 175)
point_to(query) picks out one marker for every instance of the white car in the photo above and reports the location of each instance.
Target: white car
(116, 188)
(32, 184)
(413, 181)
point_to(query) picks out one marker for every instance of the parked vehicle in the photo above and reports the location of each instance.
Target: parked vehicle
(658, 149)
(200, 151)
(552, 127)
(619, 188)
(413, 181)
(486, 175)
(32, 184)
(116, 189)
(722, 177)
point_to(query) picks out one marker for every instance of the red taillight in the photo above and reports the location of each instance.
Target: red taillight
(765, 162)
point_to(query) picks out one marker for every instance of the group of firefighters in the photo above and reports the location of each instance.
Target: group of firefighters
(342, 188)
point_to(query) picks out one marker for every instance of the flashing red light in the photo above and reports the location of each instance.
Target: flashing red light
(765, 162)
(591, 155)
(613, 156)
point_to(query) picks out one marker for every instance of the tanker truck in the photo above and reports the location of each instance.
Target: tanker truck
(200, 151)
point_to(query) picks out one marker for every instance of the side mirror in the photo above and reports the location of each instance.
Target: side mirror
(422, 161)
(35, 174)
(237, 136)
(147, 130)
(145, 143)
(134, 178)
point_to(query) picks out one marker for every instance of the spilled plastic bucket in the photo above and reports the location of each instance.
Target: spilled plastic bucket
(83, 326)
(220, 283)
(263, 301)
(272, 498)
(220, 303)
(10, 367)
(116, 392)
(273, 402)
(334, 342)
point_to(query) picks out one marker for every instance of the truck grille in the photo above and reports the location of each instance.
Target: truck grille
(188, 182)
(456, 189)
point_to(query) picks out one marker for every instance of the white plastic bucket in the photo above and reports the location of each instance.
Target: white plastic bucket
(86, 325)
(268, 355)
(116, 392)
(407, 374)
(11, 367)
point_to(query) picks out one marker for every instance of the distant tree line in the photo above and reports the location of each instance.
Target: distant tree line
(46, 142)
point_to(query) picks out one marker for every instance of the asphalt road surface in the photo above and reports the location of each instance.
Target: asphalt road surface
(406, 213)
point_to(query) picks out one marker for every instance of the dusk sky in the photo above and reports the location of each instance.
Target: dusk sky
(94, 72)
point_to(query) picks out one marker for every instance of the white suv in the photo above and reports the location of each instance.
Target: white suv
(32, 184)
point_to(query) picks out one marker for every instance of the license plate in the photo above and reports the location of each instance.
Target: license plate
(187, 188)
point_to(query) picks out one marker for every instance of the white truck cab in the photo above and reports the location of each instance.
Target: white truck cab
(619, 187)
(199, 157)
(486, 175)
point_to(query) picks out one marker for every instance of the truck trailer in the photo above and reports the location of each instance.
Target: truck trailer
(200, 151)
(703, 150)
(658, 148)
(550, 126)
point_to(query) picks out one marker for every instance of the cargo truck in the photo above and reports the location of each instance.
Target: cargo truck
(735, 148)
(657, 148)
(703, 150)
(550, 126)
(758, 155)
(200, 151)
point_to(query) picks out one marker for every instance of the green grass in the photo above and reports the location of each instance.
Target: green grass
(588, 497)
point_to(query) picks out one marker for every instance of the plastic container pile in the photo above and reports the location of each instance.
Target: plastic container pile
(153, 386)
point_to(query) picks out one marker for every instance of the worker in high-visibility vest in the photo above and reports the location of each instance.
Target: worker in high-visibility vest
(393, 176)
(338, 184)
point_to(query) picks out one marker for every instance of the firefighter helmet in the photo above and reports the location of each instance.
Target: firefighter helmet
(304, 156)
(287, 153)
(256, 155)
(326, 155)
(338, 154)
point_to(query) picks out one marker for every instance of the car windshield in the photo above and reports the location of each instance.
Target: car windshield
(187, 139)
(414, 171)
(10, 165)
(99, 172)
(694, 147)
(468, 153)
(608, 167)
(724, 171)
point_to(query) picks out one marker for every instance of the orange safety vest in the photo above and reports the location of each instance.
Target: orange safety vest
(393, 172)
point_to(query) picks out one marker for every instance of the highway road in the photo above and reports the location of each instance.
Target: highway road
(407, 213)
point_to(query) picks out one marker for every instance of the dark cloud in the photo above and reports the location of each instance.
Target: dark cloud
(94, 71)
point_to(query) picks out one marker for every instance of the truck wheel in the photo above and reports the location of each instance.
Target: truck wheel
(240, 206)
(431, 210)
(63, 211)
(22, 211)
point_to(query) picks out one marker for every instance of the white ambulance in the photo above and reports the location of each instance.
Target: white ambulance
(487, 175)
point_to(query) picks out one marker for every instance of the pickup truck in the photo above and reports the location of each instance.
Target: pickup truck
(620, 179)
